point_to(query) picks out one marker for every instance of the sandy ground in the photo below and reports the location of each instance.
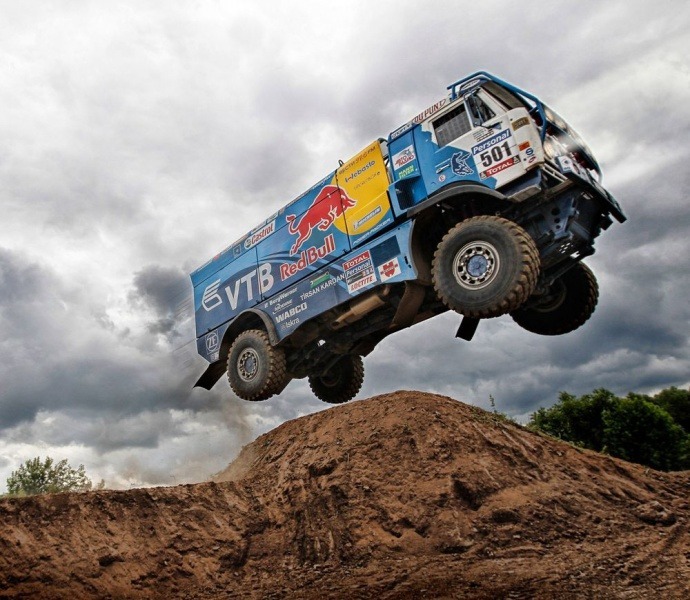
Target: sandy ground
(406, 495)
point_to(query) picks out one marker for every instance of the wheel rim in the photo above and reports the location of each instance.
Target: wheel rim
(476, 265)
(332, 377)
(554, 299)
(248, 364)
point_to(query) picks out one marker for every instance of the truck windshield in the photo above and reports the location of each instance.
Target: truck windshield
(506, 97)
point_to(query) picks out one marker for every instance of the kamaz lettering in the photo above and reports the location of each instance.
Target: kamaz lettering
(454, 211)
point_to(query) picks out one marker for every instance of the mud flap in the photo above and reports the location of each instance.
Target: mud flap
(211, 375)
(467, 329)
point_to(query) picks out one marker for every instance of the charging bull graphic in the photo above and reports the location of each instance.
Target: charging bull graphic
(330, 203)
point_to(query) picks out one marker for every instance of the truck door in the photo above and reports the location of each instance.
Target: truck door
(467, 141)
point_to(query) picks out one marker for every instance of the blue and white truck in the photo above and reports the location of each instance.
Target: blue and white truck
(485, 204)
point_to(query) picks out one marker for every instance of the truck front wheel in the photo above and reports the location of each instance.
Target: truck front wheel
(485, 267)
(341, 382)
(256, 369)
(568, 304)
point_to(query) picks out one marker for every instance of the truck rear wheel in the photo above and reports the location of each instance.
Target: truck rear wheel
(485, 267)
(568, 305)
(256, 369)
(341, 382)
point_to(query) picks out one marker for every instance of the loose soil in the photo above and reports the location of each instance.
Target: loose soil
(405, 495)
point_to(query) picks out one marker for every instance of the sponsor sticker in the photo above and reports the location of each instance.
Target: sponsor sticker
(212, 342)
(359, 272)
(262, 233)
(497, 168)
(408, 170)
(501, 136)
(406, 155)
(521, 122)
(459, 162)
(307, 258)
(368, 217)
(389, 269)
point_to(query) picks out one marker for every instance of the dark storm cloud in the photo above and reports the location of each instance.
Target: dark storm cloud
(166, 293)
(55, 356)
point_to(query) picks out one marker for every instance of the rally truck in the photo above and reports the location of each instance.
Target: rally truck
(484, 204)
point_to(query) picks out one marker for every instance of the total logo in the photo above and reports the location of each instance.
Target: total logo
(330, 203)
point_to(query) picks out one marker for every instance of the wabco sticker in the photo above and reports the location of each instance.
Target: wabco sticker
(359, 272)
(406, 155)
(389, 269)
(459, 163)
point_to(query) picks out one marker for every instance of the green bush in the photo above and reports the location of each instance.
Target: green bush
(637, 428)
(36, 476)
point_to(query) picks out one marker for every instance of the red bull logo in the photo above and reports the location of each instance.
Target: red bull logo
(308, 258)
(330, 203)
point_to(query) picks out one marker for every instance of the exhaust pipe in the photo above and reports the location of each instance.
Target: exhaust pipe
(361, 307)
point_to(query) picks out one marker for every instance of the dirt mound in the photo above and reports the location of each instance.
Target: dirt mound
(406, 495)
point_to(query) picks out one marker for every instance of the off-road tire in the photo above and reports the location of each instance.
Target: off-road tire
(256, 370)
(485, 267)
(574, 298)
(342, 381)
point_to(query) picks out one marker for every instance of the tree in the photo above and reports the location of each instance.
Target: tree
(36, 476)
(636, 428)
(676, 403)
(642, 432)
(576, 420)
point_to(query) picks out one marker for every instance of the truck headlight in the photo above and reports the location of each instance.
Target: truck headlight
(550, 148)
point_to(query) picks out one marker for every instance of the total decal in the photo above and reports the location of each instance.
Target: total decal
(359, 272)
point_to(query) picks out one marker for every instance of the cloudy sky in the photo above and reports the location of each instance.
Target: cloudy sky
(137, 139)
